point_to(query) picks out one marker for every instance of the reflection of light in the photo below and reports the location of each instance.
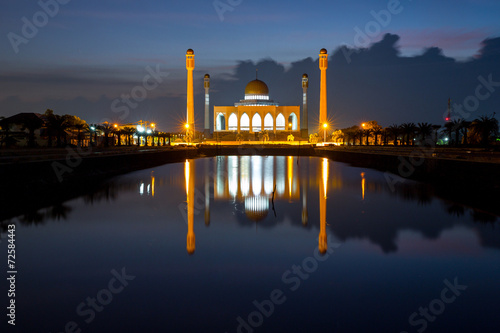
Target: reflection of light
(141, 189)
(280, 174)
(256, 208)
(325, 176)
(233, 175)
(152, 185)
(186, 175)
(256, 174)
(269, 175)
(290, 176)
(363, 180)
(245, 175)
(149, 188)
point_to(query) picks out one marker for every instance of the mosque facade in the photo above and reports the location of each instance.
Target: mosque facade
(256, 113)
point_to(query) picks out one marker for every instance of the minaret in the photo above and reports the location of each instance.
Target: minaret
(323, 190)
(206, 84)
(323, 65)
(190, 94)
(189, 173)
(305, 126)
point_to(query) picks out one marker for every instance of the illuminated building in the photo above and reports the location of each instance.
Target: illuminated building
(304, 130)
(256, 112)
(323, 65)
(206, 84)
(190, 94)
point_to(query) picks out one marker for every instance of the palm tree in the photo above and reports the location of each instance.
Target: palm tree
(465, 130)
(425, 130)
(106, 128)
(408, 130)
(129, 131)
(377, 130)
(31, 122)
(394, 130)
(435, 128)
(58, 124)
(449, 129)
(483, 127)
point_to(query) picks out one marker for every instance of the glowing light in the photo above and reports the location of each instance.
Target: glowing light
(325, 176)
(115, 125)
(140, 129)
(325, 125)
(290, 176)
(187, 125)
(149, 131)
(363, 180)
(186, 175)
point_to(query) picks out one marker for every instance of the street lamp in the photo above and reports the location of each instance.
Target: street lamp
(325, 126)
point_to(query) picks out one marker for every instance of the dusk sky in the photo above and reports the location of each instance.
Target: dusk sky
(92, 52)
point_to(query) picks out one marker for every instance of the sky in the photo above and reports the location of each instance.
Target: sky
(81, 57)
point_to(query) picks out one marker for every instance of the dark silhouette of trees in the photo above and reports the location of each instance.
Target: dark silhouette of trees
(482, 129)
(394, 130)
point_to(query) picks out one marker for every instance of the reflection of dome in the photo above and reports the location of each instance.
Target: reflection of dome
(190, 51)
(256, 87)
(323, 51)
(256, 208)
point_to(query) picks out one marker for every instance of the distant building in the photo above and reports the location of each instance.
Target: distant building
(256, 112)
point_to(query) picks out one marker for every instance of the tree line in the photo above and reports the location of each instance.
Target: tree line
(481, 131)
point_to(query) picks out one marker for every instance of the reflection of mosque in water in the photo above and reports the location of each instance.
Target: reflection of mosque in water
(257, 181)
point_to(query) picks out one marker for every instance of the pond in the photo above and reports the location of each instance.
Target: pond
(257, 244)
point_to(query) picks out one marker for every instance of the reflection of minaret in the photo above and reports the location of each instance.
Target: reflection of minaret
(323, 65)
(305, 186)
(206, 84)
(207, 193)
(189, 175)
(305, 126)
(190, 93)
(323, 190)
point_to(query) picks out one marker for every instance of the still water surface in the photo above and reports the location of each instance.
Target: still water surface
(258, 244)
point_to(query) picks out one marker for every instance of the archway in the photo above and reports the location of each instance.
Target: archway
(268, 122)
(221, 122)
(280, 123)
(292, 119)
(244, 122)
(256, 123)
(233, 122)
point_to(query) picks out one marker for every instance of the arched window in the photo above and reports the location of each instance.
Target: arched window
(221, 123)
(244, 122)
(268, 122)
(280, 123)
(256, 123)
(233, 122)
(292, 119)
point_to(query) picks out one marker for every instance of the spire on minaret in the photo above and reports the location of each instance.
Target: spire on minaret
(256, 73)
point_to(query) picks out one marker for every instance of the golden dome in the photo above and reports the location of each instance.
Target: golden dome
(256, 87)
(207, 76)
(323, 51)
(190, 51)
(305, 76)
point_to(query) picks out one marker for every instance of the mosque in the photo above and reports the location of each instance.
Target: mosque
(256, 112)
